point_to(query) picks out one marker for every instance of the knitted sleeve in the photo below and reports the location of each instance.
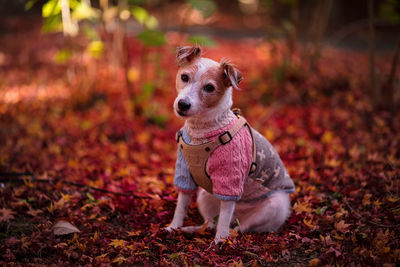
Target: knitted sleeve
(228, 166)
(183, 180)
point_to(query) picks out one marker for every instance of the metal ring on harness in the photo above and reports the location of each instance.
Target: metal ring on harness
(225, 138)
(253, 168)
(178, 135)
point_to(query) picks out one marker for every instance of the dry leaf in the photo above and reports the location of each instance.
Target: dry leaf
(314, 262)
(341, 226)
(118, 243)
(6, 215)
(64, 228)
(299, 207)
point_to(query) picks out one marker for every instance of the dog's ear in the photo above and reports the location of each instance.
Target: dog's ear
(186, 54)
(230, 74)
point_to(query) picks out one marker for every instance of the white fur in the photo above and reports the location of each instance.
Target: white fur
(203, 65)
(266, 215)
(180, 211)
(190, 93)
(260, 216)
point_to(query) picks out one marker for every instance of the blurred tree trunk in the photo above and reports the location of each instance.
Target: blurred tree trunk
(321, 24)
(318, 27)
(388, 90)
(66, 18)
(119, 51)
(294, 17)
(371, 39)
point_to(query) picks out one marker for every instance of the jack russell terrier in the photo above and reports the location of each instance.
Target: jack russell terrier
(238, 174)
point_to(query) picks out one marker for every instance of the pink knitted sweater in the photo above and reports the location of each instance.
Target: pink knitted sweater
(229, 165)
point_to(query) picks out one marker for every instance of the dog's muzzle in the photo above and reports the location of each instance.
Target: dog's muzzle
(183, 106)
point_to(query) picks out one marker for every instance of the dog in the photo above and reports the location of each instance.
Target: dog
(237, 174)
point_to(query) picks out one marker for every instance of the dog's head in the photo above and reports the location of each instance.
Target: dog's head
(204, 86)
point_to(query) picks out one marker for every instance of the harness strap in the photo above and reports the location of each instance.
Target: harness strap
(253, 166)
(197, 155)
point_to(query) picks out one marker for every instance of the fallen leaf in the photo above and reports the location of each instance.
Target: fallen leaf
(392, 199)
(314, 262)
(33, 212)
(12, 241)
(199, 240)
(327, 137)
(134, 233)
(116, 243)
(119, 260)
(309, 223)
(333, 250)
(341, 226)
(236, 263)
(300, 207)
(61, 245)
(327, 240)
(233, 233)
(6, 215)
(64, 228)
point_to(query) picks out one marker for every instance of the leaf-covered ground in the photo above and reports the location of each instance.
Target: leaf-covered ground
(73, 123)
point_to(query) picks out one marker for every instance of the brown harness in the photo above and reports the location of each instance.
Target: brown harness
(197, 155)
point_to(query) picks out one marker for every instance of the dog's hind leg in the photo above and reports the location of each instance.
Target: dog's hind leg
(208, 206)
(267, 216)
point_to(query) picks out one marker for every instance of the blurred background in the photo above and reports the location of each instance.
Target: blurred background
(131, 37)
(109, 66)
(339, 22)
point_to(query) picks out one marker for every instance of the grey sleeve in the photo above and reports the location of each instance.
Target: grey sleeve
(183, 179)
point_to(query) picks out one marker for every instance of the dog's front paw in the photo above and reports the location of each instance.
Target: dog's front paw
(219, 240)
(171, 228)
(216, 243)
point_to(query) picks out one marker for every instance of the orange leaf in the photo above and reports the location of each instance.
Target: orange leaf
(299, 207)
(327, 137)
(134, 233)
(314, 262)
(117, 243)
(392, 199)
(119, 260)
(309, 223)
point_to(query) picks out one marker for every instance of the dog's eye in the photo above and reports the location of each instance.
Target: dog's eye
(185, 78)
(209, 88)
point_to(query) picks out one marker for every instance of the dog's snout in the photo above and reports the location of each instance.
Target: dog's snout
(184, 105)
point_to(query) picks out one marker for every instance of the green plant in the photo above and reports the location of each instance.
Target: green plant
(79, 17)
(206, 8)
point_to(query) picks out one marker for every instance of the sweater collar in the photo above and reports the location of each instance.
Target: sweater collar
(203, 129)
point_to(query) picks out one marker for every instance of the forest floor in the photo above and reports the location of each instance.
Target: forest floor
(99, 159)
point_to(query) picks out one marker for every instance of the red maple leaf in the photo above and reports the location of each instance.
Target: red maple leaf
(6, 214)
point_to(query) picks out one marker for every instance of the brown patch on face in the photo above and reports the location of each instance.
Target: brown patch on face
(213, 76)
(190, 70)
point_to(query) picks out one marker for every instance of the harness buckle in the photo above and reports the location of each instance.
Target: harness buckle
(178, 135)
(237, 112)
(225, 138)
(253, 167)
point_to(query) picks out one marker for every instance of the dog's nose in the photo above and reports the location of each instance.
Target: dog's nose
(183, 105)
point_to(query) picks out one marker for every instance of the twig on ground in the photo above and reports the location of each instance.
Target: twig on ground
(18, 180)
(359, 216)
